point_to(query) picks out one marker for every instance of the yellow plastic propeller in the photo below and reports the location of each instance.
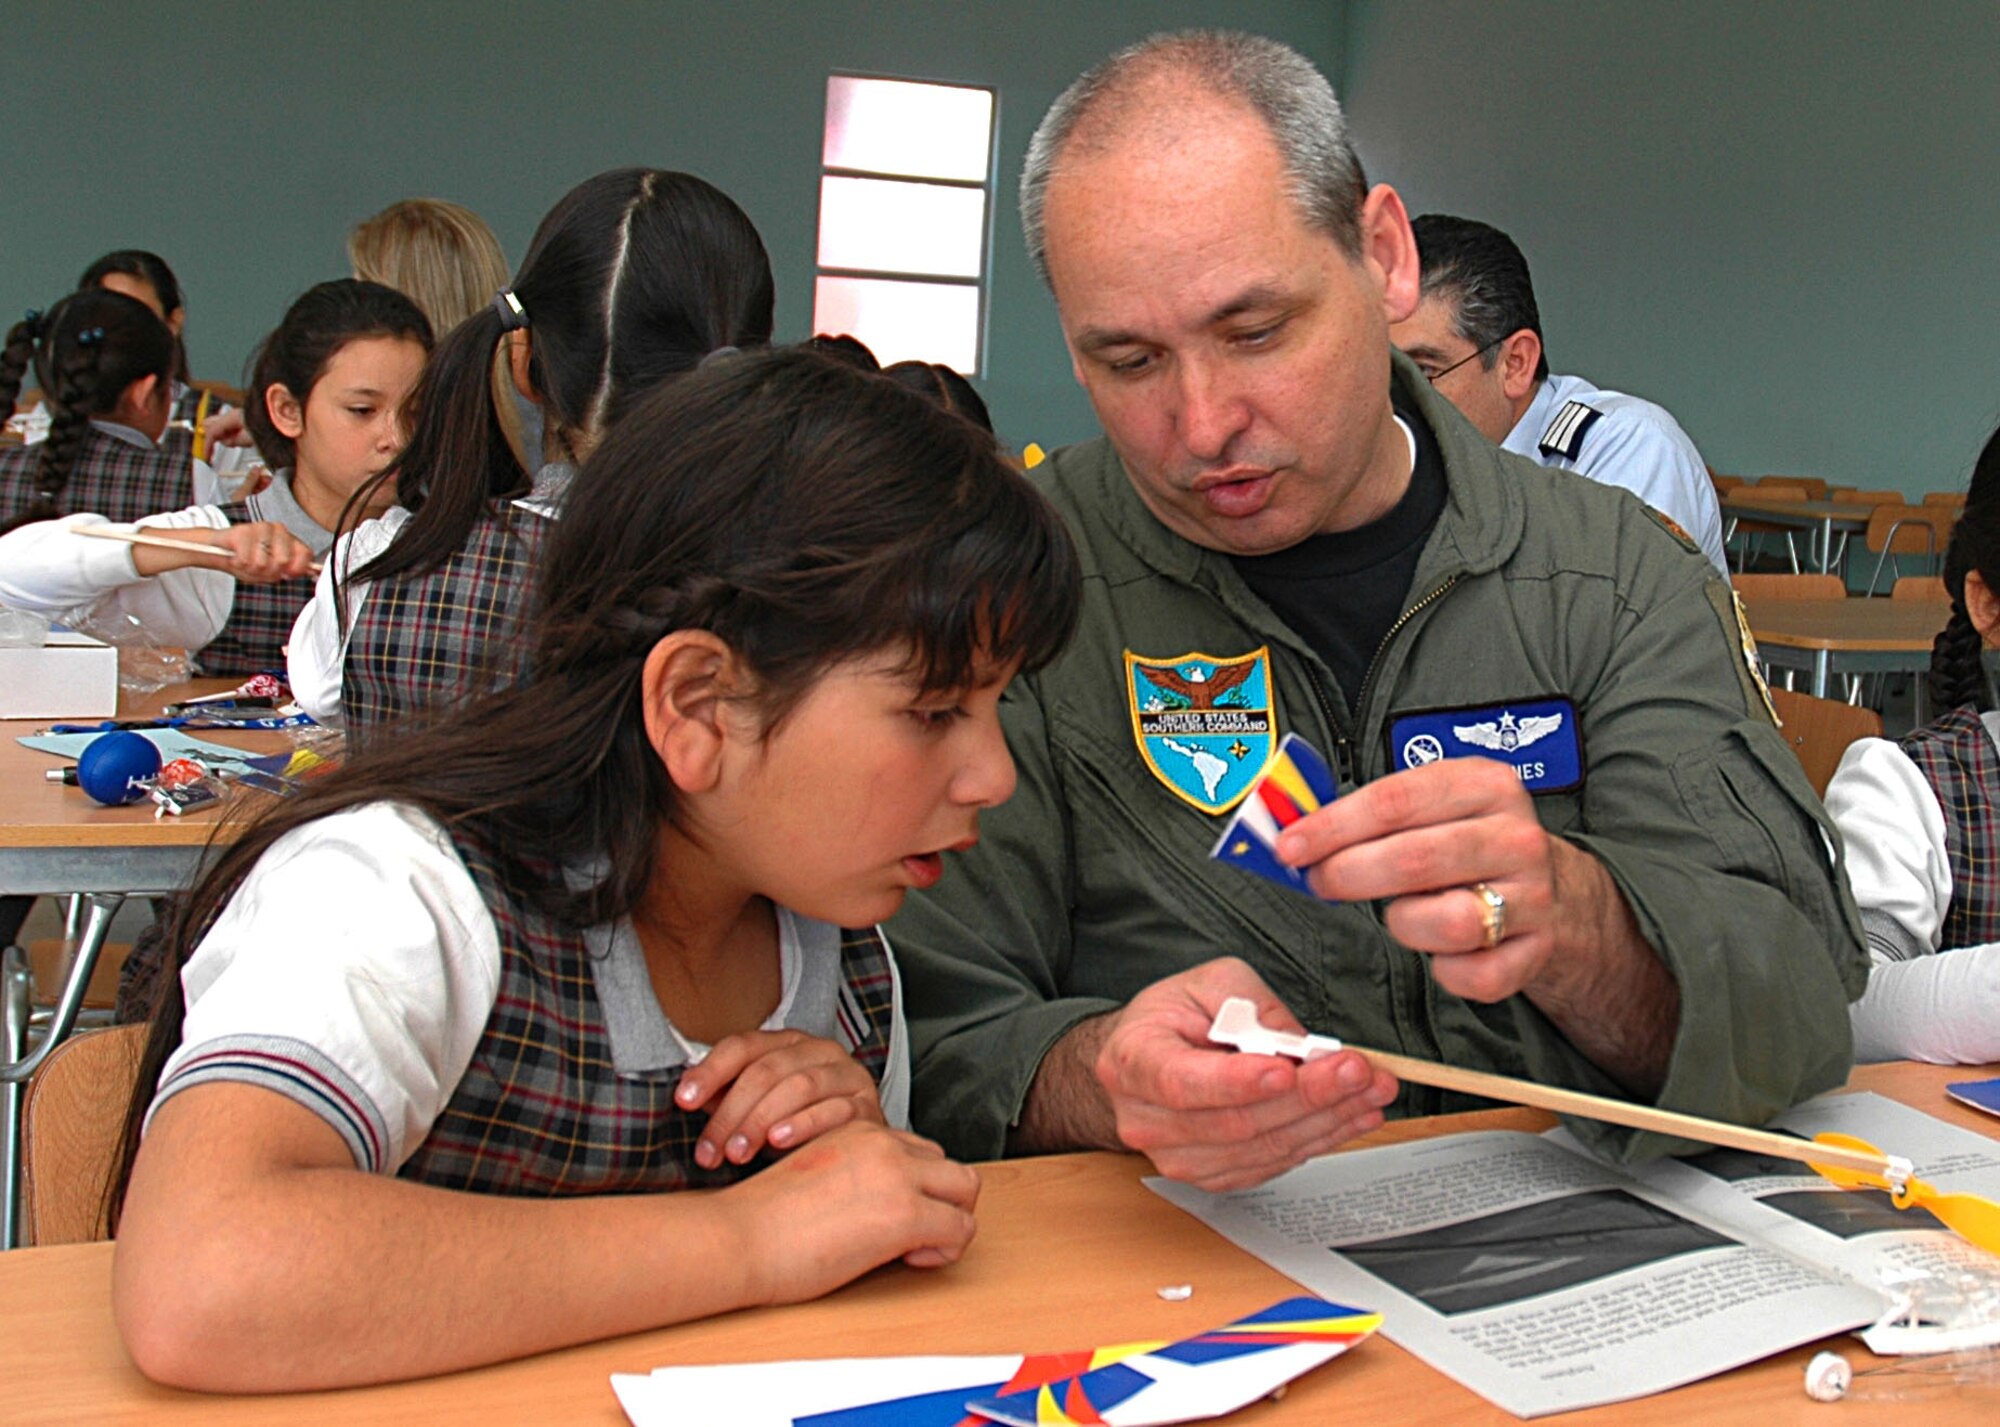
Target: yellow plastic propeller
(1972, 1218)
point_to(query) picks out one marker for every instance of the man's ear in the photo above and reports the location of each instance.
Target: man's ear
(1520, 355)
(287, 413)
(1983, 605)
(1389, 249)
(686, 685)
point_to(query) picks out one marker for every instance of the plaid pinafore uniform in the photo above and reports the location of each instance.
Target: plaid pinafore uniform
(431, 639)
(109, 477)
(1957, 757)
(541, 1110)
(252, 640)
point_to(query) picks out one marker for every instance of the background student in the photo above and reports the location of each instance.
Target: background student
(633, 277)
(1921, 821)
(106, 366)
(326, 401)
(456, 1015)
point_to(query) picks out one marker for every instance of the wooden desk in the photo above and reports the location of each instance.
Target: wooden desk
(53, 841)
(1070, 1253)
(1822, 519)
(1854, 635)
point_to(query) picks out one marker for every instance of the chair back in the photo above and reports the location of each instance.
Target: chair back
(1905, 530)
(1813, 486)
(1789, 587)
(1767, 489)
(1819, 731)
(1927, 589)
(1950, 498)
(1869, 497)
(1724, 484)
(71, 1123)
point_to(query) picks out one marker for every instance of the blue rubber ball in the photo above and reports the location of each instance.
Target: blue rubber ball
(112, 766)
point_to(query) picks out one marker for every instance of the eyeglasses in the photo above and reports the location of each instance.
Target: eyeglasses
(1447, 371)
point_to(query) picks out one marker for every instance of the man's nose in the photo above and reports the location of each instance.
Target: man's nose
(1212, 411)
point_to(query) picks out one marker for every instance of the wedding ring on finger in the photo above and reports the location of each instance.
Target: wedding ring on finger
(1493, 914)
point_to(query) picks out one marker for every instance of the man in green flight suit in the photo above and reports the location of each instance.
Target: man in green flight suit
(1569, 845)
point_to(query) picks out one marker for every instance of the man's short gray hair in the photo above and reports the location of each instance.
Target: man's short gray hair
(1278, 83)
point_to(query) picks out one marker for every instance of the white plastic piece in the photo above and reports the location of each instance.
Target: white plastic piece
(1899, 1173)
(1828, 1377)
(1177, 1292)
(1236, 1024)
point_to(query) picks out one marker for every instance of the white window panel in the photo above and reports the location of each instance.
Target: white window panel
(923, 130)
(886, 225)
(904, 321)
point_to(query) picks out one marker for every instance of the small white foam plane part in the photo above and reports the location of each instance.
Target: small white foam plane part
(1236, 1024)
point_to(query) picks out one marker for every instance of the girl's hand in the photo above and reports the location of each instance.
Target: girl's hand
(848, 1202)
(776, 1088)
(263, 552)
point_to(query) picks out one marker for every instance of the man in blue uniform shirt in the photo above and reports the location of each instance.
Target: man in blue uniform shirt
(1477, 335)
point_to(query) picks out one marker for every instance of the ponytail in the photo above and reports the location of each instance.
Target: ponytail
(458, 462)
(633, 277)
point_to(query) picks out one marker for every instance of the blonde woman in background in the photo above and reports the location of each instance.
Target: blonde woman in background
(444, 258)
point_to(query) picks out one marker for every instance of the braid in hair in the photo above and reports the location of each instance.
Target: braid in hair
(19, 351)
(1957, 677)
(1958, 674)
(75, 393)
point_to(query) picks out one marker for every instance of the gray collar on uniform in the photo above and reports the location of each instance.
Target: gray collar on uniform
(646, 1045)
(130, 435)
(277, 503)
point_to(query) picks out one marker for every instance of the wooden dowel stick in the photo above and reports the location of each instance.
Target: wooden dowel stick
(1619, 1112)
(163, 542)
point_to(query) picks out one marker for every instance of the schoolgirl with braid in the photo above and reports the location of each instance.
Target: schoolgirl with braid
(326, 401)
(454, 1025)
(1921, 820)
(634, 277)
(106, 365)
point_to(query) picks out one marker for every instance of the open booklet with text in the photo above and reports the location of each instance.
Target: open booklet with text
(1546, 1281)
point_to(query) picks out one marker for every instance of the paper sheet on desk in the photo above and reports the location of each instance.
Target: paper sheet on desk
(171, 742)
(1146, 1384)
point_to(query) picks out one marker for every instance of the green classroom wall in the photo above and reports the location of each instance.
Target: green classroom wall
(1775, 220)
(242, 140)
(1772, 219)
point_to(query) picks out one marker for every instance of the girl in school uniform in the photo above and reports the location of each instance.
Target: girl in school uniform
(635, 276)
(224, 454)
(1921, 821)
(328, 391)
(458, 1016)
(106, 363)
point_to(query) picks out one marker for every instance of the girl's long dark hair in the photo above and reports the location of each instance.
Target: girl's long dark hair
(321, 320)
(634, 276)
(152, 269)
(86, 351)
(802, 511)
(1958, 676)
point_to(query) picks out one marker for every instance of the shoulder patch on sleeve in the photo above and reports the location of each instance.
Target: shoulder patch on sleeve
(1673, 527)
(1564, 436)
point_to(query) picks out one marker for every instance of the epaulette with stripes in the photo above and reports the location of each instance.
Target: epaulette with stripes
(1565, 434)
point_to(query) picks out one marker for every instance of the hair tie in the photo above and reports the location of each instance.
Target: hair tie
(513, 316)
(90, 337)
(717, 355)
(36, 324)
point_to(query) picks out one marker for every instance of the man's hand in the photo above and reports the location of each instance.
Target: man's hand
(1424, 838)
(1217, 1118)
